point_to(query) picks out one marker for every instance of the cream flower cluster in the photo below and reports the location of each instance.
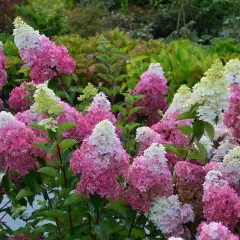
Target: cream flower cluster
(232, 159)
(6, 118)
(156, 150)
(157, 69)
(232, 71)
(25, 37)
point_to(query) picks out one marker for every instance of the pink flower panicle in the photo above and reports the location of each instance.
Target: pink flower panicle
(231, 116)
(190, 178)
(44, 57)
(221, 202)
(101, 160)
(3, 73)
(215, 231)
(148, 177)
(19, 98)
(99, 110)
(153, 86)
(17, 149)
(70, 114)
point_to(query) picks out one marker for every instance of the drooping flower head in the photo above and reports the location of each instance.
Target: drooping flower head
(215, 231)
(3, 73)
(42, 55)
(211, 93)
(100, 161)
(232, 71)
(46, 102)
(169, 215)
(150, 177)
(153, 86)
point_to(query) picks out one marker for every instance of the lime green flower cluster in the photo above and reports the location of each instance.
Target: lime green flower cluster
(49, 123)
(88, 93)
(46, 102)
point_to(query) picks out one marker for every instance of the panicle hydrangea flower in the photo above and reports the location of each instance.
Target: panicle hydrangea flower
(46, 102)
(215, 231)
(17, 149)
(6, 118)
(70, 114)
(169, 215)
(190, 178)
(145, 136)
(167, 128)
(232, 159)
(231, 116)
(232, 71)
(3, 73)
(150, 176)
(41, 54)
(178, 104)
(221, 202)
(19, 98)
(99, 110)
(88, 92)
(100, 160)
(211, 93)
(153, 86)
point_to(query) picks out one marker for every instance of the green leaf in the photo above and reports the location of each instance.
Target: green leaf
(40, 127)
(5, 182)
(106, 77)
(96, 201)
(121, 109)
(52, 213)
(104, 58)
(187, 130)
(132, 126)
(66, 144)
(73, 199)
(180, 151)
(24, 193)
(209, 129)
(198, 129)
(134, 110)
(102, 68)
(31, 180)
(100, 49)
(44, 145)
(136, 232)
(193, 156)
(129, 97)
(48, 171)
(64, 127)
(51, 134)
(202, 153)
(186, 115)
(121, 207)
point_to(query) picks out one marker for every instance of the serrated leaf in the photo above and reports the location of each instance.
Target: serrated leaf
(180, 151)
(120, 207)
(121, 109)
(134, 110)
(209, 129)
(72, 199)
(44, 145)
(187, 130)
(49, 171)
(26, 192)
(64, 127)
(66, 144)
(101, 68)
(198, 129)
(106, 77)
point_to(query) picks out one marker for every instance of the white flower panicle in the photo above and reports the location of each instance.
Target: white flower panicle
(211, 93)
(104, 137)
(156, 150)
(169, 215)
(100, 102)
(25, 37)
(6, 118)
(232, 71)
(49, 123)
(157, 69)
(144, 133)
(180, 98)
(233, 159)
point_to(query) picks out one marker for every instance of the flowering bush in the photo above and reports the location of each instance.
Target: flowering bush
(117, 164)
